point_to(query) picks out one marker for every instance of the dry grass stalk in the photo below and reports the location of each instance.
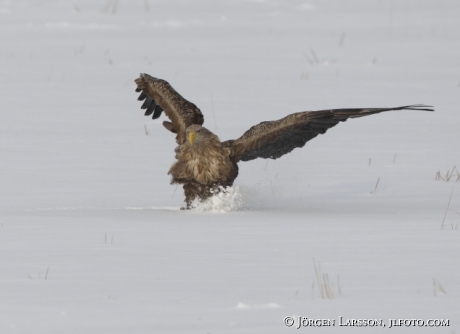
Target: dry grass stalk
(437, 288)
(325, 286)
(342, 39)
(105, 239)
(453, 173)
(448, 207)
(111, 6)
(376, 185)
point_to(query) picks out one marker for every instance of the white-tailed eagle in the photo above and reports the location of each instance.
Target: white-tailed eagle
(205, 165)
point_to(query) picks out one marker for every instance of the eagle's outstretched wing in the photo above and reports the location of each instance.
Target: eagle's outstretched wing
(159, 95)
(273, 139)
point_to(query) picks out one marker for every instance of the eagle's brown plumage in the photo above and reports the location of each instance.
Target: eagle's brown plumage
(205, 165)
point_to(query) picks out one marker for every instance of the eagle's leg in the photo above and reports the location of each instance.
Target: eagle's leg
(191, 193)
(194, 190)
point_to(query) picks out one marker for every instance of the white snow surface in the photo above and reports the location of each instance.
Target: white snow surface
(226, 200)
(91, 236)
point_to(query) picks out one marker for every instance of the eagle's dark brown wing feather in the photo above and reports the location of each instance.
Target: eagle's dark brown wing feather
(273, 139)
(159, 96)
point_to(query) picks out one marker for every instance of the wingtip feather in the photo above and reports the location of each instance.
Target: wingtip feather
(422, 107)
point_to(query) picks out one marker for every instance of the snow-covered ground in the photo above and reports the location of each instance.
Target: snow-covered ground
(91, 236)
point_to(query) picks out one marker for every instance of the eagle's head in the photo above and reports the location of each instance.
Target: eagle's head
(198, 135)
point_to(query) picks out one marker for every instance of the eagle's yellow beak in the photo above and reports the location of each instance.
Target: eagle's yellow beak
(191, 137)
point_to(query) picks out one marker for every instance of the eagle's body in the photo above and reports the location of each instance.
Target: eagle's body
(204, 161)
(205, 165)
